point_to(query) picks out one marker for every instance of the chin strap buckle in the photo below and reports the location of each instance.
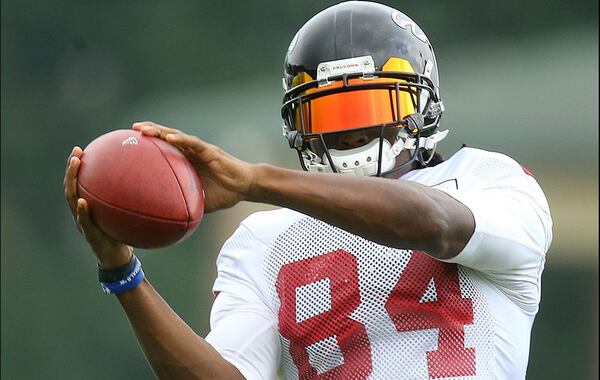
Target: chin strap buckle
(294, 139)
(427, 143)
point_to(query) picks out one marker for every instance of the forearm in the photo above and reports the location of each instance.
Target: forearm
(399, 214)
(395, 213)
(173, 349)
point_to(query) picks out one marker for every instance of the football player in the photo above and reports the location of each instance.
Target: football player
(384, 261)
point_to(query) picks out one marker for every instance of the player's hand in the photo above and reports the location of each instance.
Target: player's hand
(109, 252)
(226, 179)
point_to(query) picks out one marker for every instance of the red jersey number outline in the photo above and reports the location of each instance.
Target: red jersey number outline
(341, 268)
(449, 313)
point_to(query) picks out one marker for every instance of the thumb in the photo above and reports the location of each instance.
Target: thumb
(90, 231)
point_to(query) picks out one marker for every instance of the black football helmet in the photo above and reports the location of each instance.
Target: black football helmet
(361, 85)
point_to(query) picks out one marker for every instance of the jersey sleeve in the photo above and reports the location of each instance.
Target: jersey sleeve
(246, 335)
(243, 327)
(513, 231)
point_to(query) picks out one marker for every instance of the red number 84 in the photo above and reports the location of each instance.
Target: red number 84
(449, 313)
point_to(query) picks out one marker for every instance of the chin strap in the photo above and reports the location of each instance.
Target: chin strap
(364, 160)
(427, 143)
(358, 161)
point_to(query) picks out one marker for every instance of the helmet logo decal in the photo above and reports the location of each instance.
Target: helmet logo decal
(406, 24)
(364, 65)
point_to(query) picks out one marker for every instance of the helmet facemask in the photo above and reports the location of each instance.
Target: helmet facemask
(354, 119)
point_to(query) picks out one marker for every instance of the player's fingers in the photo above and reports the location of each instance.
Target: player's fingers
(70, 183)
(138, 125)
(150, 128)
(75, 152)
(71, 155)
(187, 142)
(67, 168)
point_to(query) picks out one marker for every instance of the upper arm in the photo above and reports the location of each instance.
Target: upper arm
(243, 324)
(455, 225)
(245, 333)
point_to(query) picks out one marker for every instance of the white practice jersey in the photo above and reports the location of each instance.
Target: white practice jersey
(299, 297)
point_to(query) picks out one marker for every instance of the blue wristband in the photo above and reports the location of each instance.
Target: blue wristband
(130, 280)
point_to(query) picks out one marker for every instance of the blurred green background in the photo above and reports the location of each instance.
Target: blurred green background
(517, 77)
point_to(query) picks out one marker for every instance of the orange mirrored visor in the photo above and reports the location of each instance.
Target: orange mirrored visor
(355, 109)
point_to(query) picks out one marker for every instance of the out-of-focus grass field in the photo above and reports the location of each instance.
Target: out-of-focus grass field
(516, 77)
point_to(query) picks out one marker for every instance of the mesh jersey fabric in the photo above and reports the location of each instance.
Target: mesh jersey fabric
(348, 308)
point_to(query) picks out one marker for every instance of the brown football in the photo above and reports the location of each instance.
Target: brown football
(141, 190)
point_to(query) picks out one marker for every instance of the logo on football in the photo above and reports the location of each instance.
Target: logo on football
(130, 141)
